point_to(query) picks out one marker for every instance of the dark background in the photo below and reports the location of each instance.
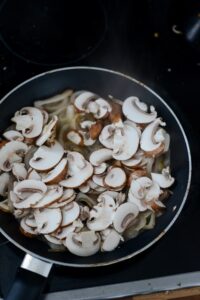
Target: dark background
(134, 37)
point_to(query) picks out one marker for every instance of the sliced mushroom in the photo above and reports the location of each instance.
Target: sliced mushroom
(29, 186)
(70, 213)
(136, 111)
(82, 100)
(47, 219)
(33, 174)
(63, 232)
(30, 221)
(99, 180)
(84, 243)
(11, 152)
(28, 202)
(52, 239)
(57, 174)
(148, 142)
(111, 240)
(75, 137)
(13, 135)
(98, 170)
(84, 188)
(124, 216)
(27, 230)
(87, 141)
(19, 171)
(48, 132)
(100, 156)
(103, 108)
(165, 180)
(45, 158)
(4, 182)
(115, 178)
(101, 217)
(50, 197)
(107, 135)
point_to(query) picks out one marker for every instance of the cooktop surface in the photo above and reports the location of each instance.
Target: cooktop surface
(152, 41)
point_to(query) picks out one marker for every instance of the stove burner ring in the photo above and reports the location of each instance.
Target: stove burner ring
(43, 33)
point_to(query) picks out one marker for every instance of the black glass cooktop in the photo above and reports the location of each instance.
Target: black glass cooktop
(152, 41)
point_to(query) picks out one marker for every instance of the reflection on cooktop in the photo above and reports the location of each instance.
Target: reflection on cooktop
(49, 34)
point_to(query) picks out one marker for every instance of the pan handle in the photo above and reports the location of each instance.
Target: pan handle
(30, 279)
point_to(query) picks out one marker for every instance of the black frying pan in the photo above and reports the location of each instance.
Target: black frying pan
(102, 82)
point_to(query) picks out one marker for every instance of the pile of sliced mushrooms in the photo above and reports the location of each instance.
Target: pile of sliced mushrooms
(84, 173)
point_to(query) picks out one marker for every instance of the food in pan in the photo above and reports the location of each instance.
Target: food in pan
(84, 173)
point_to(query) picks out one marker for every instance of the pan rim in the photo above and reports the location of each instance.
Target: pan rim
(189, 172)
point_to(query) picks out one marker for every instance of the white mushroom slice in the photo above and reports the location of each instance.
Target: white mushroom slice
(68, 193)
(98, 170)
(147, 142)
(30, 221)
(99, 180)
(52, 239)
(4, 183)
(70, 213)
(115, 178)
(126, 141)
(27, 230)
(106, 136)
(153, 192)
(75, 137)
(142, 206)
(29, 201)
(78, 178)
(101, 217)
(63, 232)
(13, 135)
(84, 188)
(76, 162)
(26, 187)
(33, 174)
(84, 243)
(47, 219)
(45, 158)
(134, 125)
(110, 240)
(165, 180)
(50, 197)
(57, 174)
(100, 156)
(23, 122)
(47, 131)
(103, 108)
(11, 152)
(125, 214)
(139, 187)
(19, 171)
(87, 141)
(87, 124)
(82, 100)
(136, 111)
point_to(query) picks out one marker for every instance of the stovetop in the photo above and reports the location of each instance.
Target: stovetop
(148, 40)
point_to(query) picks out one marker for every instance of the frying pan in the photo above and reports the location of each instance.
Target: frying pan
(38, 260)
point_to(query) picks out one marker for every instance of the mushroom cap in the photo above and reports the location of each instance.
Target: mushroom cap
(147, 142)
(164, 180)
(82, 100)
(70, 213)
(13, 135)
(47, 219)
(19, 171)
(124, 215)
(78, 178)
(4, 183)
(50, 197)
(45, 158)
(115, 178)
(136, 111)
(111, 240)
(47, 131)
(100, 156)
(84, 243)
(29, 186)
(57, 174)
(10, 153)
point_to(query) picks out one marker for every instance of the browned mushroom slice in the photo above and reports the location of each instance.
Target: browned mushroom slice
(124, 216)
(47, 219)
(57, 174)
(115, 178)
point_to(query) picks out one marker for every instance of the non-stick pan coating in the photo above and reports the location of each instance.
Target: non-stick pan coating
(102, 82)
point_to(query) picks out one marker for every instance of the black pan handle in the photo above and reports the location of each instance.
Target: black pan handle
(30, 279)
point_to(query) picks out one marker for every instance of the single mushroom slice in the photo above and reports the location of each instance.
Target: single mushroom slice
(84, 188)
(148, 142)
(98, 170)
(27, 230)
(23, 121)
(30, 221)
(28, 202)
(63, 232)
(4, 183)
(19, 171)
(115, 178)
(82, 100)
(107, 135)
(124, 216)
(70, 213)
(45, 158)
(165, 180)
(84, 243)
(50, 197)
(13, 135)
(57, 174)
(101, 217)
(48, 132)
(136, 111)
(47, 219)
(11, 152)
(79, 178)
(33, 174)
(111, 240)
(75, 137)
(103, 108)
(99, 180)
(29, 186)
(100, 156)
